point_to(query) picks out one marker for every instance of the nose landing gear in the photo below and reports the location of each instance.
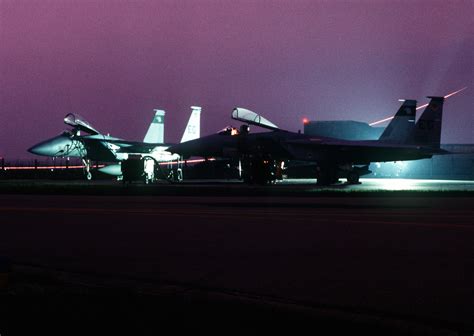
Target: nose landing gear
(258, 170)
(87, 168)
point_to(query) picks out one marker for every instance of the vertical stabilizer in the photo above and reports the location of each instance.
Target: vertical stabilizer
(427, 130)
(193, 127)
(402, 125)
(156, 131)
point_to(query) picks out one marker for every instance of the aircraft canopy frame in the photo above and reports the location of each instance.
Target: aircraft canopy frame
(252, 118)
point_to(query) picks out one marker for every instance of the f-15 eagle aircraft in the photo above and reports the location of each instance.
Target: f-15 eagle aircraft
(95, 146)
(259, 153)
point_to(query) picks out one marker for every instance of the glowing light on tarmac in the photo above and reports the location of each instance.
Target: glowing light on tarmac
(392, 184)
(398, 184)
(419, 107)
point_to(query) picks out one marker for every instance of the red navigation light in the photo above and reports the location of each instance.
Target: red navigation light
(305, 121)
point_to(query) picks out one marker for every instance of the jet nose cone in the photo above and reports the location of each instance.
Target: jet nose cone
(39, 149)
(56, 146)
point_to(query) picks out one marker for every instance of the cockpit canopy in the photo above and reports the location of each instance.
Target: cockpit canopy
(253, 118)
(80, 123)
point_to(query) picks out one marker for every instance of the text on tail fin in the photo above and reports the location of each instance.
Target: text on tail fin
(193, 128)
(428, 128)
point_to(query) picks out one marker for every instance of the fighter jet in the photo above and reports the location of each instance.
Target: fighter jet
(260, 153)
(95, 146)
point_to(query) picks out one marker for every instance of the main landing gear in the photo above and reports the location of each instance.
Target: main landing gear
(328, 174)
(353, 177)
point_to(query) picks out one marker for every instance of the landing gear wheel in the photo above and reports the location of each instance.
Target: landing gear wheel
(89, 176)
(353, 177)
(326, 176)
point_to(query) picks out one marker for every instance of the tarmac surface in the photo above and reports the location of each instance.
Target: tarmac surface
(287, 187)
(375, 251)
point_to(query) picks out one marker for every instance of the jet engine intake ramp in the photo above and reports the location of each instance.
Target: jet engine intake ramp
(252, 118)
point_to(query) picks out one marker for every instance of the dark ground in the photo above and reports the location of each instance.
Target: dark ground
(110, 260)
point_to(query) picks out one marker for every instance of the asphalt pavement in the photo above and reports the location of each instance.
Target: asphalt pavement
(409, 257)
(406, 256)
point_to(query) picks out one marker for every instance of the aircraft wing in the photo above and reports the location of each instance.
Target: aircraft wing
(123, 146)
(352, 145)
(357, 152)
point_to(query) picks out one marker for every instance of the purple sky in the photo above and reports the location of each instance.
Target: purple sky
(114, 61)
